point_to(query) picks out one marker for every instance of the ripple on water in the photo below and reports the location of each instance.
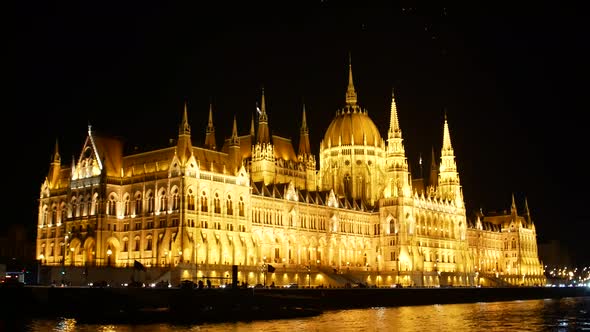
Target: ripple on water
(569, 314)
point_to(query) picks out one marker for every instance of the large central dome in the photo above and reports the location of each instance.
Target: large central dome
(352, 125)
(352, 128)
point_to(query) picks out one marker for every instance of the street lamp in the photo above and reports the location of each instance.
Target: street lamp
(264, 269)
(73, 257)
(65, 244)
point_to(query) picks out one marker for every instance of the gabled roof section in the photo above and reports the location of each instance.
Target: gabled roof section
(283, 148)
(211, 160)
(99, 154)
(149, 162)
(110, 152)
(245, 146)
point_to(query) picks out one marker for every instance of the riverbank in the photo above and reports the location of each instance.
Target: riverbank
(194, 305)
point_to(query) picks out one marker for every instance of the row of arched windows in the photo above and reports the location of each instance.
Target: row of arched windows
(136, 244)
(228, 207)
(79, 206)
(440, 228)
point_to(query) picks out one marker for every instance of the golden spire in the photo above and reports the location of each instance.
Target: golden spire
(304, 146)
(394, 128)
(210, 131)
(350, 92)
(210, 122)
(448, 180)
(234, 140)
(304, 121)
(263, 132)
(56, 156)
(263, 108)
(447, 147)
(513, 206)
(433, 170)
(184, 145)
(185, 128)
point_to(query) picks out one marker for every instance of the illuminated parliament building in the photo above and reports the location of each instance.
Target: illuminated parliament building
(356, 215)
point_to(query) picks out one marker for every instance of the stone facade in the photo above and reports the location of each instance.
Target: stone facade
(255, 202)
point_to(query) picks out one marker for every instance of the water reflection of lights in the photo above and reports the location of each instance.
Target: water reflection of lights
(66, 325)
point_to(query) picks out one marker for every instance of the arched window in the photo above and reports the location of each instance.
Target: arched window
(136, 246)
(191, 200)
(148, 245)
(125, 244)
(175, 200)
(138, 204)
(127, 205)
(513, 243)
(74, 207)
(81, 206)
(51, 249)
(44, 216)
(217, 203)
(204, 206)
(229, 205)
(241, 206)
(391, 226)
(347, 186)
(150, 202)
(53, 215)
(163, 201)
(62, 214)
(112, 206)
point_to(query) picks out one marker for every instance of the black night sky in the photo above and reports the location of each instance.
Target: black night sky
(510, 79)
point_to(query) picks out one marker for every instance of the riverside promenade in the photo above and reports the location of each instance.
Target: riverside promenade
(217, 304)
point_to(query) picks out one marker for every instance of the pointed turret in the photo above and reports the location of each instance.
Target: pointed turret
(263, 132)
(433, 179)
(184, 128)
(513, 210)
(394, 128)
(210, 131)
(304, 147)
(350, 92)
(396, 162)
(54, 167)
(527, 212)
(234, 148)
(447, 148)
(184, 145)
(56, 156)
(234, 140)
(395, 146)
(448, 178)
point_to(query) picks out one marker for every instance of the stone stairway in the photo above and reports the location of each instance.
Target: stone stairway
(342, 279)
(496, 282)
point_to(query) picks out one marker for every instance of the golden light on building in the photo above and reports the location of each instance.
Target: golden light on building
(254, 200)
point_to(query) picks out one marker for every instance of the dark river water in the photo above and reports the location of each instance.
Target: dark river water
(567, 314)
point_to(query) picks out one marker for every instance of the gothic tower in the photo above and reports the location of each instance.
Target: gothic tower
(397, 165)
(449, 186)
(210, 131)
